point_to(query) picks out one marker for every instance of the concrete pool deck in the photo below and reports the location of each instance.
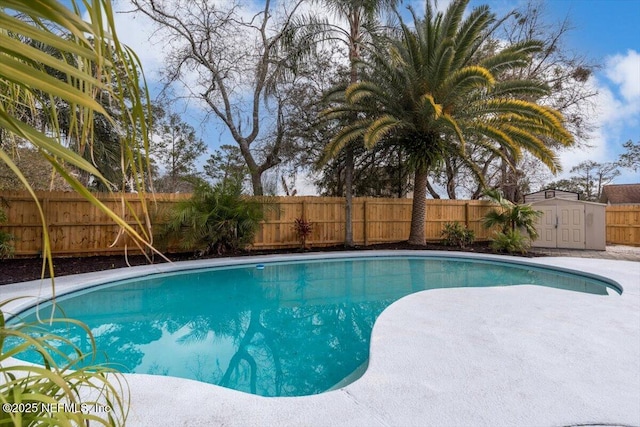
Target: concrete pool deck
(520, 355)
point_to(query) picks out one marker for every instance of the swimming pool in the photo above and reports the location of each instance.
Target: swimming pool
(281, 329)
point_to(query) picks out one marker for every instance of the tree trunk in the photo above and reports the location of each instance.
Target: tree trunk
(418, 209)
(348, 193)
(451, 171)
(256, 183)
(354, 54)
(432, 190)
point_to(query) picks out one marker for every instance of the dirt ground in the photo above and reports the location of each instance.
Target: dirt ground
(23, 269)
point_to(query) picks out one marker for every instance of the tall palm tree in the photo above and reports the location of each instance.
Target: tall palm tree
(361, 17)
(435, 89)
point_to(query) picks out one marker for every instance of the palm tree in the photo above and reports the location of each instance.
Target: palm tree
(361, 18)
(215, 219)
(511, 216)
(433, 91)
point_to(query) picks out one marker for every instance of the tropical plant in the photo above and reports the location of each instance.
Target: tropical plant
(30, 94)
(215, 219)
(454, 234)
(431, 93)
(511, 241)
(303, 229)
(64, 388)
(84, 54)
(511, 217)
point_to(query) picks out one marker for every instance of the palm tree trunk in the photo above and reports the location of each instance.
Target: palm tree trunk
(418, 209)
(354, 54)
(348, 194)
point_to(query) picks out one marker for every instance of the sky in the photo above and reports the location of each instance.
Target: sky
(607, 32)
(604, 31)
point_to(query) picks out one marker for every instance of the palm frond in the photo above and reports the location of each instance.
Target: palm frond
(346, 135)
(379, 129)
(514, 56)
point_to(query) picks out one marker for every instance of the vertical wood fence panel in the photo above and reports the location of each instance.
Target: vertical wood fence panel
(77, 228)
(623, 225)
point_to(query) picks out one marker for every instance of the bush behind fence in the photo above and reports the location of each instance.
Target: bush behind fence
(77, 228)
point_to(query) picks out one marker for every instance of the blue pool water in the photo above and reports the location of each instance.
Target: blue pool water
(284, 329)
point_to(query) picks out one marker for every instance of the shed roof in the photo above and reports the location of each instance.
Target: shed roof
(560, 200)
(552, 189)
(618, 194)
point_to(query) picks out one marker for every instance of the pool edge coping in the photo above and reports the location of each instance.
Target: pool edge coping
(73, 283)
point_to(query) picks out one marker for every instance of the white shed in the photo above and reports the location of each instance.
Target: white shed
(571, 224)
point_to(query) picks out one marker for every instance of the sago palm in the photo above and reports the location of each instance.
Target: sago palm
(434, 90)
(511, 216)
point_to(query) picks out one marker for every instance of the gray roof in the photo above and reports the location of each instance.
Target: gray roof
(618, 194)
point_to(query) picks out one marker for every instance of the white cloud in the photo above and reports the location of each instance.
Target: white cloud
(617, 114)
(624, 71)
(136, 31)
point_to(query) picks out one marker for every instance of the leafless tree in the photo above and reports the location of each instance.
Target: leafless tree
(229, 58)
(567, 74)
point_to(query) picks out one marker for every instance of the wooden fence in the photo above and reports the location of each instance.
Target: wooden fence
(623, 225)
(375, 220)
(78, 228)
(75, 226)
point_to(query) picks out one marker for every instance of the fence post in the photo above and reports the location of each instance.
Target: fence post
(366, 224)
(466, 214)
(45, 213)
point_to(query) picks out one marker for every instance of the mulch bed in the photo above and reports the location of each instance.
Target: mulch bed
(23, 269)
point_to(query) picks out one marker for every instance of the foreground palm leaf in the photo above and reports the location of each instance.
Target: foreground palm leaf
(49, 57)
(76, 65)
(63, 390)
(434, 90)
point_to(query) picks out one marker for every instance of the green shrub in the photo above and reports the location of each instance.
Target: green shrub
(512, 241)
(215, 220)
(511, 218)
(454, 234)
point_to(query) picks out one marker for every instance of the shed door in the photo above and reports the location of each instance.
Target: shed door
(571, 225)
(546, 228)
